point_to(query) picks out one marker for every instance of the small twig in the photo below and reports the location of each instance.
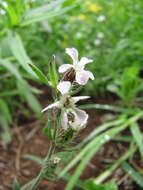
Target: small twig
(122, 179)
(32, 133)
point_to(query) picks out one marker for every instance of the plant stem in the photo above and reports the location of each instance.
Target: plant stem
(32, 185)
(44, 168)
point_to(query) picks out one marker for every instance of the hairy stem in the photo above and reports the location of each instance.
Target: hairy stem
(44, 168)
(32, 185)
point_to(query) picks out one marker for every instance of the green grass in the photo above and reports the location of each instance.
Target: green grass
(31, 32)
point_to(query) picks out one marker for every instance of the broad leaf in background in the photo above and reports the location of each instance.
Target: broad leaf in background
(19, 52)
(23, 87)
(91, 185)
(49, 10)
(13, 14)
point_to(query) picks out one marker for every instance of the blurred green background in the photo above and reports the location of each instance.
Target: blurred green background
(108, 31)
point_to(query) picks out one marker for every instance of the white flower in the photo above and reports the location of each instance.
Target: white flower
(101, 18)
(64, 87)
(100, 35)
(4, 4)
(81, 75)
(56, 160)
(2, 12)
(71, 116)
(78, 35)
(97, 42)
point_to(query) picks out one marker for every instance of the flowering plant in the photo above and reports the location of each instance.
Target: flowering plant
(66, 116)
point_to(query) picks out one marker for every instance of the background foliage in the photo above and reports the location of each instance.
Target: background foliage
(110, 32)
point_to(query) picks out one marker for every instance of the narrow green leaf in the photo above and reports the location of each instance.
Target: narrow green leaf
(47, 129)
(16, 185)
(53, 73)
(46, 11)
(19, 4)
(90, 184)
(134, 174)
(86, 154)
(12, 14)
(31, 99)
(135, 130)
(39, 74)
(34, 158)
(11, 68)
(5, 134)
(5, 110)
(108, 172)
(19, 52)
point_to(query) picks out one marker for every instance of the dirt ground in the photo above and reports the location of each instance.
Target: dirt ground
(28, 138)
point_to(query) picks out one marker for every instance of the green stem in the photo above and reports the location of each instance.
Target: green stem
(44, 168)
(32, 185)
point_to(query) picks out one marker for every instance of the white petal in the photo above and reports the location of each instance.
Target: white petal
(64, 120)
(78, 98)
(64, 87)
(56, 104)
(73, 53)
(4, 4)
(101, 18)
(84, 61)
(63, 68)
(100, 35)
(83, 76)
(80, 120)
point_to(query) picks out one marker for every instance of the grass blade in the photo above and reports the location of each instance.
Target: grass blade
(39, 74)
(5, 110)
(134, 174)
(137, 136)
(87, 153)
(110, 170)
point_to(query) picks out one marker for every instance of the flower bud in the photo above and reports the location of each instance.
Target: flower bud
(69, 75)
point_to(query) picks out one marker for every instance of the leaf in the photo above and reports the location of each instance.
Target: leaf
(11, 68)
(5, 110)
(19, 52)
(31, 99)
(5, 134)
(90, 184)
(91, 148)
(16, 185)
(34, 158)
(52, 72)
(137, 137)
(47, 129)
(39, 74)
(13, 16)
(109, 171)
(52, 9)
(19, 5)
(134, 174)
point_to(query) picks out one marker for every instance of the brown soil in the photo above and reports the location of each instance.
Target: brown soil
(29, 139)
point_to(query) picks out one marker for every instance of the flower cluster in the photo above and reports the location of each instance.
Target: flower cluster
(71, 116)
